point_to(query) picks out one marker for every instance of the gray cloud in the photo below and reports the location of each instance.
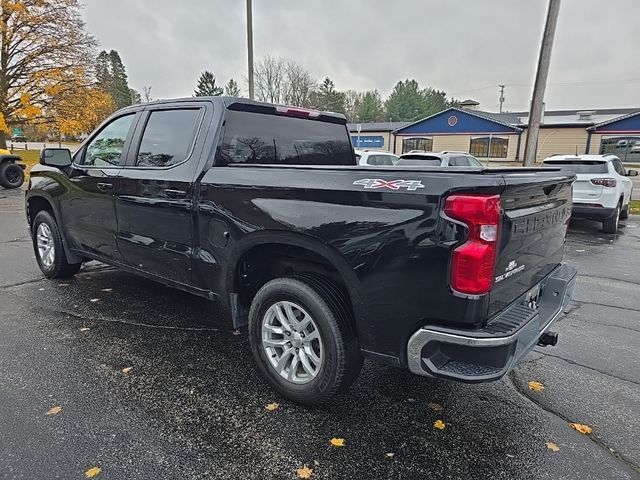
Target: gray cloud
(465, 47)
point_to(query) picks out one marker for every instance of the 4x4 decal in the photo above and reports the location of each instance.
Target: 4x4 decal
(375, 183)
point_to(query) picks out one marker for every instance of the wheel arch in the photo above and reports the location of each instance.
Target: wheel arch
(37, 203)
(304, 248)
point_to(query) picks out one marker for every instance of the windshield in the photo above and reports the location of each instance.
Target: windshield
(579, 166)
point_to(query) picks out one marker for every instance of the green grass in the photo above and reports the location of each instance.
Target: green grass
(634, 207)
(29, 158)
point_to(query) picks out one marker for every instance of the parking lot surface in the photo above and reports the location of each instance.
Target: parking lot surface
(193, 404)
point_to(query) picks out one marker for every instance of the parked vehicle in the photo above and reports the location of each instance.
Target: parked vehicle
(452, 273)
(375, 158)
(442, 159)
(11, 172)
(602, 190)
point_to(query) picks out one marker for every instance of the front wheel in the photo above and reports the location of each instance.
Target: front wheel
(610, 225)
(48, 247)
(302, 339)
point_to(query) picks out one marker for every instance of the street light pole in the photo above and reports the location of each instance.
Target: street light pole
(250, 47)
(544, 60)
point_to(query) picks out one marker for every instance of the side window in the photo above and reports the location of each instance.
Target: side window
(168, 137)
(459, 162)
(617, 165)
(106, 148)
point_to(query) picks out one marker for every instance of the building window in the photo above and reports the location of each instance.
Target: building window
(626, 149)
(489, 147)
(419, 143)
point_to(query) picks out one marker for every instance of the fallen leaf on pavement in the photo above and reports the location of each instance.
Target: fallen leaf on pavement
(553, 447)
(63, 284)
(236, 332)
(581, 428)
(126, 369)
(536, 386)
(54, 410)
(337, 442)
(272, 406)
(436, 407)
(93, 300)
(304, 472)
(439, 424)
(107, 289)
(84, 329)
(92, 472)
(389, 455)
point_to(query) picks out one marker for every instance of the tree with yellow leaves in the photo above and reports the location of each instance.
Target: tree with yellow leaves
(46, 56)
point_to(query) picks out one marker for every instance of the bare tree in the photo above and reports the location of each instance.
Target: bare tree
(352, 103)
(299, 84)
(269, 79)
(146, 92)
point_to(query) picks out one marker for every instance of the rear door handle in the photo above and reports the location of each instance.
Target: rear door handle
(171, 193)
(105, 186)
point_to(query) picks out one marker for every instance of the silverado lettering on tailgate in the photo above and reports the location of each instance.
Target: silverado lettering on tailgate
(532, 223)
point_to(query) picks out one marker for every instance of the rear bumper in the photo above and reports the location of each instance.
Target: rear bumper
(586, 211)
(491, 352)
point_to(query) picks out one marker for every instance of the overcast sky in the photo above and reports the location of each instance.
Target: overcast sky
(465, 47)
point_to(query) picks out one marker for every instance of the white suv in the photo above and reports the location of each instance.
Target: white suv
(377, 158)
(602, 190)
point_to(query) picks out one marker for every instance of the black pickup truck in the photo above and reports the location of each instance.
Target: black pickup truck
(454, 273)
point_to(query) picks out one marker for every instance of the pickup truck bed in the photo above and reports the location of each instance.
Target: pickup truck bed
(453, 272)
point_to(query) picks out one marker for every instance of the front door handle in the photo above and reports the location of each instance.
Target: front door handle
(105, 186)
(171, 193)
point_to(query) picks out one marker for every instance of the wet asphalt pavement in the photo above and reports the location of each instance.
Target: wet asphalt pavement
(193, 405)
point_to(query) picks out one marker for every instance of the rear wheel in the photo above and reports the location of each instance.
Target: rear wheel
(11, 175)
(48, 247)
(302, 339)
(610, 225)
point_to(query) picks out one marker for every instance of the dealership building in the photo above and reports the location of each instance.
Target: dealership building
(502, 136)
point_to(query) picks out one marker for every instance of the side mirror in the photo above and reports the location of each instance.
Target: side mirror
(632, 173)
(55, 157)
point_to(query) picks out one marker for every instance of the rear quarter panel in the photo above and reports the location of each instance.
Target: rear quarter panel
(391, 246)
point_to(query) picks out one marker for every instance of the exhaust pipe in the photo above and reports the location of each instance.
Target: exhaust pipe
(548, 338)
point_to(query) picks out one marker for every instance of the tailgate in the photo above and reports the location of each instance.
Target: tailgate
(536, 209)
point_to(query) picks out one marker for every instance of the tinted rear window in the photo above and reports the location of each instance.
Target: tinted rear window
(580, 166)
(419, 160)
(259, 138)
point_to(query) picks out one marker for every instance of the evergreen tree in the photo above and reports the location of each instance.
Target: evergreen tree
(135, 96)
(408, 103)
(206, 86)
(119, 82)
(231, 89)
(371, 107)
(327, 98)
(103, 72)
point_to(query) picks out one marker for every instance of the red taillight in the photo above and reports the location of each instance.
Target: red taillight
(604, 182)
(472, 263)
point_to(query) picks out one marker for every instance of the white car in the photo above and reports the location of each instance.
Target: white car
(442, 159)
(376, 158)
(602, 190)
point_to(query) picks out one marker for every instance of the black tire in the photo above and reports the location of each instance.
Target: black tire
(342, 359)
(59, 267)
(11, 175)
(624, 213)
(610, 225)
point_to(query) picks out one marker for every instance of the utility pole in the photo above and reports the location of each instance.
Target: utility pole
(544, 60)
(250, 47)
(501, 99)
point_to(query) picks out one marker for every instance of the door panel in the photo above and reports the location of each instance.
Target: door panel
(88, 208)
(155, 194)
